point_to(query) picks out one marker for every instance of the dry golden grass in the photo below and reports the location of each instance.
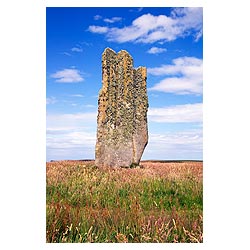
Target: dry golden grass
(156, 202)
(59, 170)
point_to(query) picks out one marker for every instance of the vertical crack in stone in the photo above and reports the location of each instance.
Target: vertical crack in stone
(122, 130)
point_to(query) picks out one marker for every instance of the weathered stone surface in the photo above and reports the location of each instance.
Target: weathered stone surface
(122, 131)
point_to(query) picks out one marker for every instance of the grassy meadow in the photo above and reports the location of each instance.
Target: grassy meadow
(156, 202)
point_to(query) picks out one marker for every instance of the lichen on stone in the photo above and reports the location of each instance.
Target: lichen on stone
(122, 131)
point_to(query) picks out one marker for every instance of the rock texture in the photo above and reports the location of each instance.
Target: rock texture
(122, 131)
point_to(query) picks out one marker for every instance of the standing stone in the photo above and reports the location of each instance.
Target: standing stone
(122, 131)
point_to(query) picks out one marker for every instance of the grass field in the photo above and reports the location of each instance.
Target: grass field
(158, 202)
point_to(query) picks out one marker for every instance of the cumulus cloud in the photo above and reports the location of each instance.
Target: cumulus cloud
(149, 28)
(189, 17)
(98, 29)
(71, 135)
(69, 139)
(176, 114)
(185, 76)
(112, 20)
(173, 143)
(68, 76)
(179, 137)
(156, 50)
(180, 145)
(75, 118)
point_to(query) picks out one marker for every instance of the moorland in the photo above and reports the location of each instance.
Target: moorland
(158, 201)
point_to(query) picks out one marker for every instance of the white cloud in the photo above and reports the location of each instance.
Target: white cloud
(58, 120)
(69, 139)
(98, 29)
(149, 28)
(183, 65)
(66, 54)
(185, 76)
(76, 49)
(180, 86)
(86, 43)
(89, 106)
(97, 17)
(68, 76)
(189, 17)
(112, 20)
(136, 9)
(156, 50)
(51, 100)
(172, 139)
(71, 135)
(77, 95)
(176, 114)
(198, 35)
(177, 145)
(66, 144)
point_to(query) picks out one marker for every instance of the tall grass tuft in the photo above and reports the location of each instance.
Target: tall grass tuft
(161, 202)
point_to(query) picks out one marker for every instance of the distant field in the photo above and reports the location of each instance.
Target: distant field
(162, 201)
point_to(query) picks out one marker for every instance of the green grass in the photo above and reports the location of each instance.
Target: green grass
(86, 204)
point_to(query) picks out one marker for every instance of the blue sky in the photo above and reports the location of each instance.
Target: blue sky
(168, 41)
